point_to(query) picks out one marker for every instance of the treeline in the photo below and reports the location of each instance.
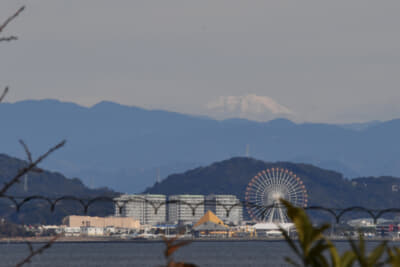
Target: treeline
(50, 185)
(325, 188)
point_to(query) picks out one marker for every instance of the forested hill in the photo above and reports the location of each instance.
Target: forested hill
(326, 188)
(47, 184)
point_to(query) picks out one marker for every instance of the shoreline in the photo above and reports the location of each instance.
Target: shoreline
(63, 239)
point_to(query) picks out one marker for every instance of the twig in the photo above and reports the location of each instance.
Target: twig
(30, 246)
(32, 165)
(5, 23)
(33, 252)
(28, 153)
(4, 94)
(16, 14)
(8, 39)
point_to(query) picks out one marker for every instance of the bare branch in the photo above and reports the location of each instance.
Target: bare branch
(36, 252)
(30, 246)
(4, 25)
(27, 152)
(29, 168)
(4, 94)
(16, 14)
(32, 164)
(8, 39)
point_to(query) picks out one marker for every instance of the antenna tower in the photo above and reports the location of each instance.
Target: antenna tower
(247, 150)
(26, 183)
(158, 179)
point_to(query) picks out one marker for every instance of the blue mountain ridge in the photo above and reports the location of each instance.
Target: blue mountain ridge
(125, 147)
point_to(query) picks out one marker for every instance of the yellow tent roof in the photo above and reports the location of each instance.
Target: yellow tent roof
(210, 217)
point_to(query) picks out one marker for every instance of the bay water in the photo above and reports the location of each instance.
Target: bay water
(150, 254)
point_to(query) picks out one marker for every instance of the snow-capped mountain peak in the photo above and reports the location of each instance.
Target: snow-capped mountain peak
(249, 106)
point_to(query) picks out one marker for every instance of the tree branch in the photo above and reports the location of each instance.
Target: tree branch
(32, 165)
(8, 39)
(27, 152)
(33, 252)
(4, 94)
(16, 14)
(5, 23)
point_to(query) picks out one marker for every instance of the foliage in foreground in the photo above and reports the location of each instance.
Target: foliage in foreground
(172, 245)
(314, 249)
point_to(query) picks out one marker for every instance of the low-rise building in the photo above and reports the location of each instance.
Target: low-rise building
(72, 231)
(92, 231)
(266, 229)
(388, 228)
(101, 222)
(210, 226)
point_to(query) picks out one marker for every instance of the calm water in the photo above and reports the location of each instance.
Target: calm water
(218, 254)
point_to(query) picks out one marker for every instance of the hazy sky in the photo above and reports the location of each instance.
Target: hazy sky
(331, 61)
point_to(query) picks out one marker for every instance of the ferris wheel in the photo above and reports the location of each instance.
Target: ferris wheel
(264, 191)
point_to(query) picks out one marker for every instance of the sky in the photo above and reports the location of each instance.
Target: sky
(321, 61)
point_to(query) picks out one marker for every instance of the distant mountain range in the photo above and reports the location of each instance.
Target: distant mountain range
(325, 188)
(127, 148)
(46, 184)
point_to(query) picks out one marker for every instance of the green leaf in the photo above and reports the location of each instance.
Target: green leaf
(335, 258)
(311, 240)
(290, 242)
(292, 262)
(376, 254)
(358, 253)
(394, 256)
(316, 253)
(320, 260)
(362, 245)
(318, 248)
(347, 259)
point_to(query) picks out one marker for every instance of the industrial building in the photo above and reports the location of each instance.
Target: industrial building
(185, 208)
(226, 207)
(148, 209)
(100, 222)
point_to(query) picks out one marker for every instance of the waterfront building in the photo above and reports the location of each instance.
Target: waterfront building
(100, 222)
(366, 222)
(92, 231)
(210, 226)
(266, 229)
(220, 204)
(181, 207)
(72, 231)
(388, 228)
(148, 209)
